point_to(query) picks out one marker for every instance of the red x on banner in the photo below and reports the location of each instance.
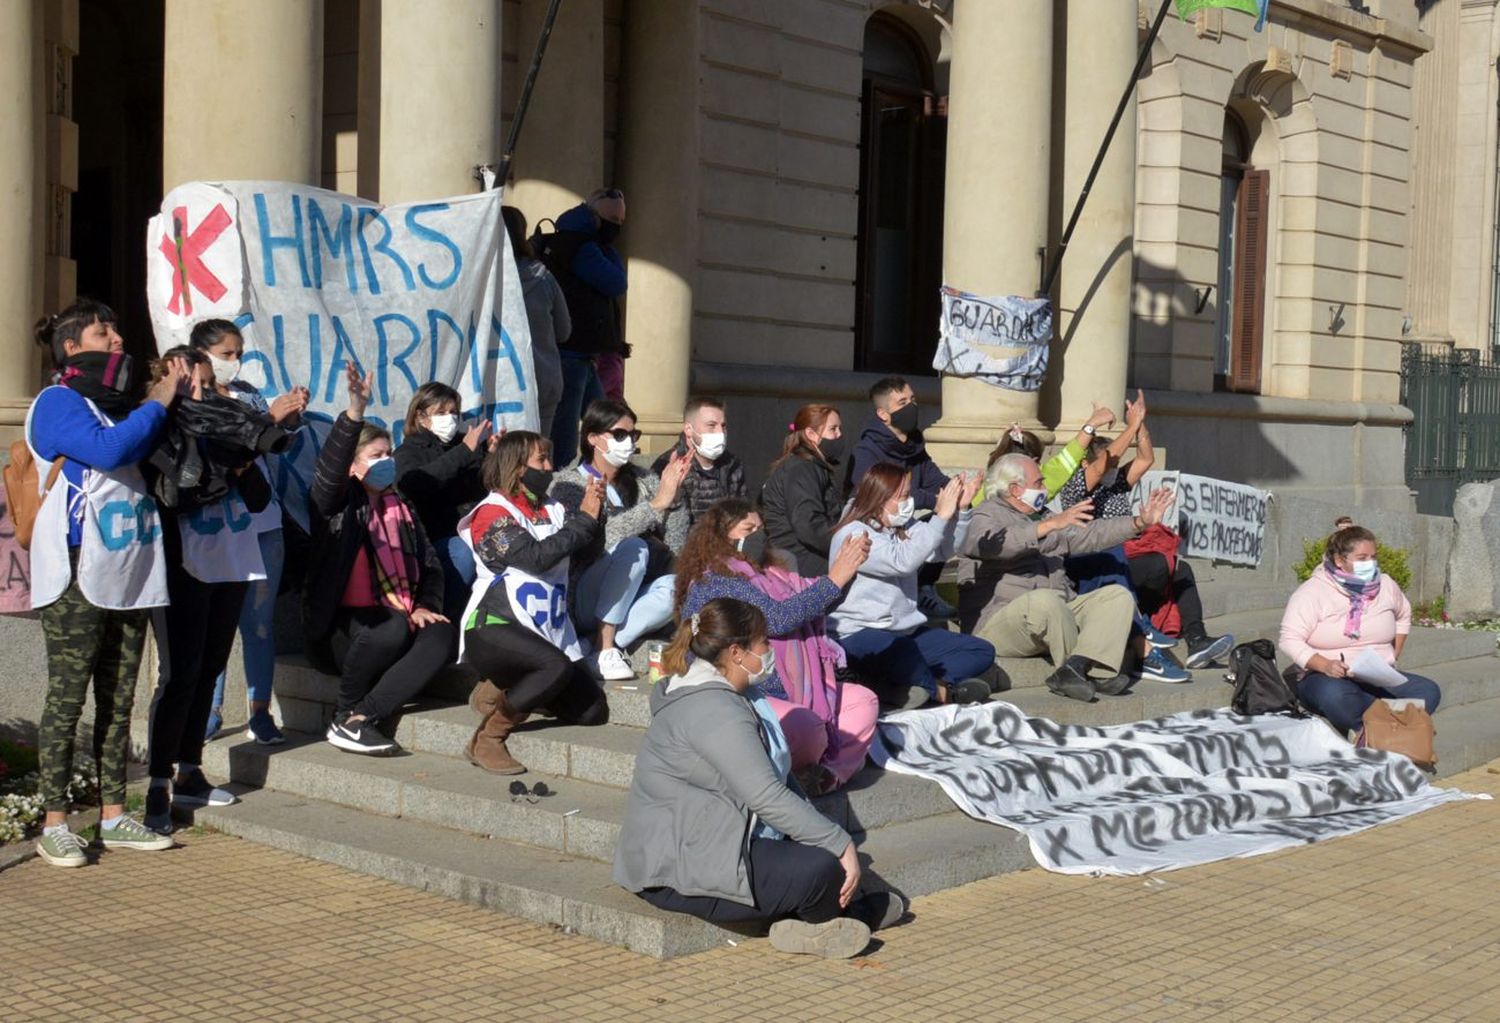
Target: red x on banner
(185, 250)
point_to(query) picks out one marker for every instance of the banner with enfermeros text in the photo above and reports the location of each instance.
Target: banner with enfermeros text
(412, 292)
(1216, 519)
(1155, 795)
(1003, 340)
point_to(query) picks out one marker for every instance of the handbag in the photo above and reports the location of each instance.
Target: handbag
(1407, 731)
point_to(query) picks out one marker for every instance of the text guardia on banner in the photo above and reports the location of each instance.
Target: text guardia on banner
(1003, 340)
(412, 293)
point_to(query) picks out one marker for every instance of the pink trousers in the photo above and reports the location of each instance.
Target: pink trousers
(807, 736)
(611, 369)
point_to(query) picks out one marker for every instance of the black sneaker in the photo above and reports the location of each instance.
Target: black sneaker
(195, 790)
(158, 815)
(878, 910)
(1204, 650)
(1113, 686)
(970, 690)
(360, 737)
(1070, 682)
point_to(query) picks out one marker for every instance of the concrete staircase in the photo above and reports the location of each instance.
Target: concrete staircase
(430, 820)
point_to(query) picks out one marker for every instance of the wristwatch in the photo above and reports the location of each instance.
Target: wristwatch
(1088, 428)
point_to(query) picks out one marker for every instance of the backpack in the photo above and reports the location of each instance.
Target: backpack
(1259, 688)
(21, 490)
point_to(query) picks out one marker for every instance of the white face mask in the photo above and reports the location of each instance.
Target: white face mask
(767, 665)
(904, 511)
(1366, 571)
(444, 427)
(226, 371)
(1034, 498)
(618, 452)
(711, 445)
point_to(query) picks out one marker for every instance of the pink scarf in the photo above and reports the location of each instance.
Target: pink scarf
(1359, 592)
(395, 567)
(807, 660)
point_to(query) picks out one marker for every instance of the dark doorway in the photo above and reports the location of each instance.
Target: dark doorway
(1244, 193)
(903, 137)
(117, 104)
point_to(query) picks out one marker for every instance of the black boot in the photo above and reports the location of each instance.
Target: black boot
(1072, 680)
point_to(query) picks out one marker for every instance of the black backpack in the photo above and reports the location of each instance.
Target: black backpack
(1259, 688)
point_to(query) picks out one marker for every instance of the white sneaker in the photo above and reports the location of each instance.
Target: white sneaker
(612, 666)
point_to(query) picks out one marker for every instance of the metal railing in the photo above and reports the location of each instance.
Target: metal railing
(1454, 436)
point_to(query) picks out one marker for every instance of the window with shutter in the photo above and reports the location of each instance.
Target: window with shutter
(1250, 269)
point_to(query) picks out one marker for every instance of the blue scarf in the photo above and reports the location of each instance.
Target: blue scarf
(1359, 592)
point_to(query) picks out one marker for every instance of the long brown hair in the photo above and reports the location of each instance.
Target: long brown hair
(719, 625)
(809, 417)
(708, 549)
(429, 396)
(505, 463)
(876, 487)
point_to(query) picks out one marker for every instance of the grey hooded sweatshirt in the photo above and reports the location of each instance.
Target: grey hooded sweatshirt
(547, 316)
(702, 780)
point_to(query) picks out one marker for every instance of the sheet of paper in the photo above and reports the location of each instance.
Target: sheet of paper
(1368, 666)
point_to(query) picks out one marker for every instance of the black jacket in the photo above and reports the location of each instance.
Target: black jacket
(440, 481)
(339, 507)
(703, 488)
(507, 544)
(198, 457)
(800, 505)
(878, 444)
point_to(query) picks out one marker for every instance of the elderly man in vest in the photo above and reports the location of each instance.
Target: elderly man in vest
(1013, 590)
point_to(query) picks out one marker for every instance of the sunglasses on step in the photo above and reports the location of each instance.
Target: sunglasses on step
(519, 791)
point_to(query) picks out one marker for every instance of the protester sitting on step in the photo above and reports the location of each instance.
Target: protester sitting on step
(891, 436)
(623, 581)
(517, 632)
(829, 724)
(715, 473)
(1348, 608)
(93, 609)
(546, 315)
(438, 475)
(800, 498)
(1014, 592)
(222, 342)
(711, 827)
(372, 603)
(1057, 469)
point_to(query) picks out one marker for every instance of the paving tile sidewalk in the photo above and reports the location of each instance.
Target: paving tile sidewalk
(1397, 924)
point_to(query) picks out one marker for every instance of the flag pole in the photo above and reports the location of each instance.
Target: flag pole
(1050, 277)
(524, 101)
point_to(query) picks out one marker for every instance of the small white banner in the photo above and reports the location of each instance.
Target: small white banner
(1217, 520)
(1003, 340)
(1157, 795)
(413, 292)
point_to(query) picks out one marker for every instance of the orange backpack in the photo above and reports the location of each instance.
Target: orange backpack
(21, 491)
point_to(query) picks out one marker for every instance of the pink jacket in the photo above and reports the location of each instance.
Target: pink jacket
(1316, 614)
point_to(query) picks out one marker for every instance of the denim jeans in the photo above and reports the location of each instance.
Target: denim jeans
(891, 662)
(581, 387)
(258, 623)
(1343, 701)
(1105, 568)
(614, 591)
(458, 576)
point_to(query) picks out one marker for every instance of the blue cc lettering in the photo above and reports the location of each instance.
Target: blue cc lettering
(118, 525)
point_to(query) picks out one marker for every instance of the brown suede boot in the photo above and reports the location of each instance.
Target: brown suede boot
(484, 697)
(486, 749)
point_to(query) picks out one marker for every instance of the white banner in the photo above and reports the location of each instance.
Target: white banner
(1003, 340)
(1217, 520)
(1156, 795)
(413, 292)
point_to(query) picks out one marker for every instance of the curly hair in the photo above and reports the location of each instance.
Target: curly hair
(708, 549)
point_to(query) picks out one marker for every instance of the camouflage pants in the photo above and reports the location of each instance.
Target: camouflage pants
(87, 643)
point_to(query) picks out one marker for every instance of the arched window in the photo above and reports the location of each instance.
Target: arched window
(1244, 195)
(902, 141)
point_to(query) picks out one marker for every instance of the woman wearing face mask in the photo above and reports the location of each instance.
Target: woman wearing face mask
(371, 608)
(438, 471)
(517, 632)
(623, 580)
(222, 342)
(829, 724)
(879, 623)
(800, 498)
(1346, 608)
(712, 827)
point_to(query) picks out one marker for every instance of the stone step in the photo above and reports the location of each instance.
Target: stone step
(1468, 736)
(916, 858)
(1424, 646)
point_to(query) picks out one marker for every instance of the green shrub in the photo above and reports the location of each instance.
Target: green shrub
(1392, 561)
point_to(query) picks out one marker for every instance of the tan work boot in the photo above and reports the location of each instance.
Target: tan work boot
(484, 697)
(486, 749)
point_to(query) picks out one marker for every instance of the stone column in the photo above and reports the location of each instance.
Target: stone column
(659, 172)
(439, 97)
(21, 169)
(1094, 296)
(243, 91)
(996, 196)
(560, 154)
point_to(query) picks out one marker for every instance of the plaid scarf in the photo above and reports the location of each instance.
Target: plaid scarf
(392, 544)
(1359, 592)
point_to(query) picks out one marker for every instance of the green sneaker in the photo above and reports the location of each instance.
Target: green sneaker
(132, 834)
(61, 848)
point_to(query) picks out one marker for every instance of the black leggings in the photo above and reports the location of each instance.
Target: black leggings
(1148, 573)
(534, 674)
(787, 879)
(194, 634)
(382, 662)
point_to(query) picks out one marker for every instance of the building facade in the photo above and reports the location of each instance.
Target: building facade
(1278, 213)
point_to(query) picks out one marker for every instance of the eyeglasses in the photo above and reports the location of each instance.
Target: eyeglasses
(519, 791)
(623, 435)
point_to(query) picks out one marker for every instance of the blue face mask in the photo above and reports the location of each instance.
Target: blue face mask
(380, 473)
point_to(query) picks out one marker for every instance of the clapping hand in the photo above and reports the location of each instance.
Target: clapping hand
(1156, 506)
(360, 388)
(853, 553)
(1135, 411)
(593, 498)
(1101, 416)
(290, 405)
(970, 489)
(672, 475)
(474, 435)
(948, 498)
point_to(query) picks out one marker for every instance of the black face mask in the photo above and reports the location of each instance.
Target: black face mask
(905, 419)
(753, 547)
(608, 231)
(536, 480)
(102, 377)
(832, 449)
